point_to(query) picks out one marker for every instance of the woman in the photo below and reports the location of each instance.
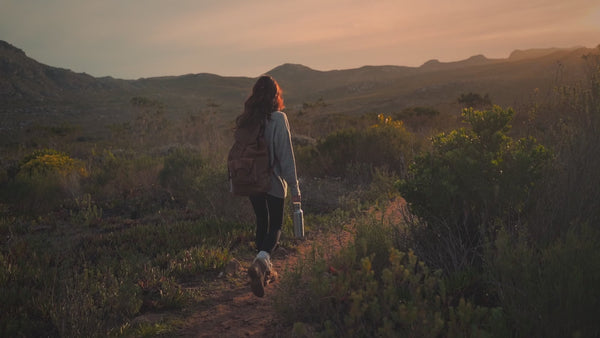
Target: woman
(264, 106)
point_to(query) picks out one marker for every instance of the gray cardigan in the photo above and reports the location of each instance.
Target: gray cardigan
(281, 153)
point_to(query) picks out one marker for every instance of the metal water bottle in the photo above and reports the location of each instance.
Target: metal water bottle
(298, 221)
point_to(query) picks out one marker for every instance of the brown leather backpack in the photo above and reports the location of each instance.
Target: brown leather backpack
(248, 162)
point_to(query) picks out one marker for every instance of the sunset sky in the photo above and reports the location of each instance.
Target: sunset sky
(143, 38)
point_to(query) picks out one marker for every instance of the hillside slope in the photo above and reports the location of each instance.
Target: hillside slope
(31, 92)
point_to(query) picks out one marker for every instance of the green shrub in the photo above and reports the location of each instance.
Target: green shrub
(417, 111)
(202, 185)
(568, 122)
(126, 183)
(212, 196)
(351, 168)
(549, 291)
(421, 120)
(470, 180)
(160, 291)
(386, 144)
(546, 273)
(26, 281)
(89, 302)
(474, 100)
(86, 212)
(180, 169)
(371, 289)
(329, 195)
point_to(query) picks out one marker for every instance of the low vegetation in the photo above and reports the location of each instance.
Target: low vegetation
(499, 238)
(496, 242)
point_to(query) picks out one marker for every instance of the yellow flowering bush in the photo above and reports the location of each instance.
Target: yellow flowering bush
(47, 161)
(45, 179)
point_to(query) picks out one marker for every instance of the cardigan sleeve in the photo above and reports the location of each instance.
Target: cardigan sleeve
(284, 154)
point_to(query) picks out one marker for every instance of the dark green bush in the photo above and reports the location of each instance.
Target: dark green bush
(471, 180)
(371, 289)
(423, 120)
(549, 291)
(126, 183)
(26, 283)
(416, 111)
(384, 145)
(474, 100)
(569, 123)
(181, 168)
(546, 273)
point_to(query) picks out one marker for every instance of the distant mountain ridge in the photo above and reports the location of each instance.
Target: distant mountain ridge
(23, 78)
(537, 52)
(472, 61)
(31, 92)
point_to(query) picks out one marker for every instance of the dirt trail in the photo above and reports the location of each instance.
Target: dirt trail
(231, 310)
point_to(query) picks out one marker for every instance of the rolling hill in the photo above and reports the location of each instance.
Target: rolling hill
(34, 93)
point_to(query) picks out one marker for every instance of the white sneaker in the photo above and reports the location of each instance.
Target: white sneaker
(257, 277)
(265, 258)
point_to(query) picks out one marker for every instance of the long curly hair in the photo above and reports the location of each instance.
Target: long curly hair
(266, 98)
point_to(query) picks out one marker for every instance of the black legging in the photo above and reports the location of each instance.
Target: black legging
(269, 219)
